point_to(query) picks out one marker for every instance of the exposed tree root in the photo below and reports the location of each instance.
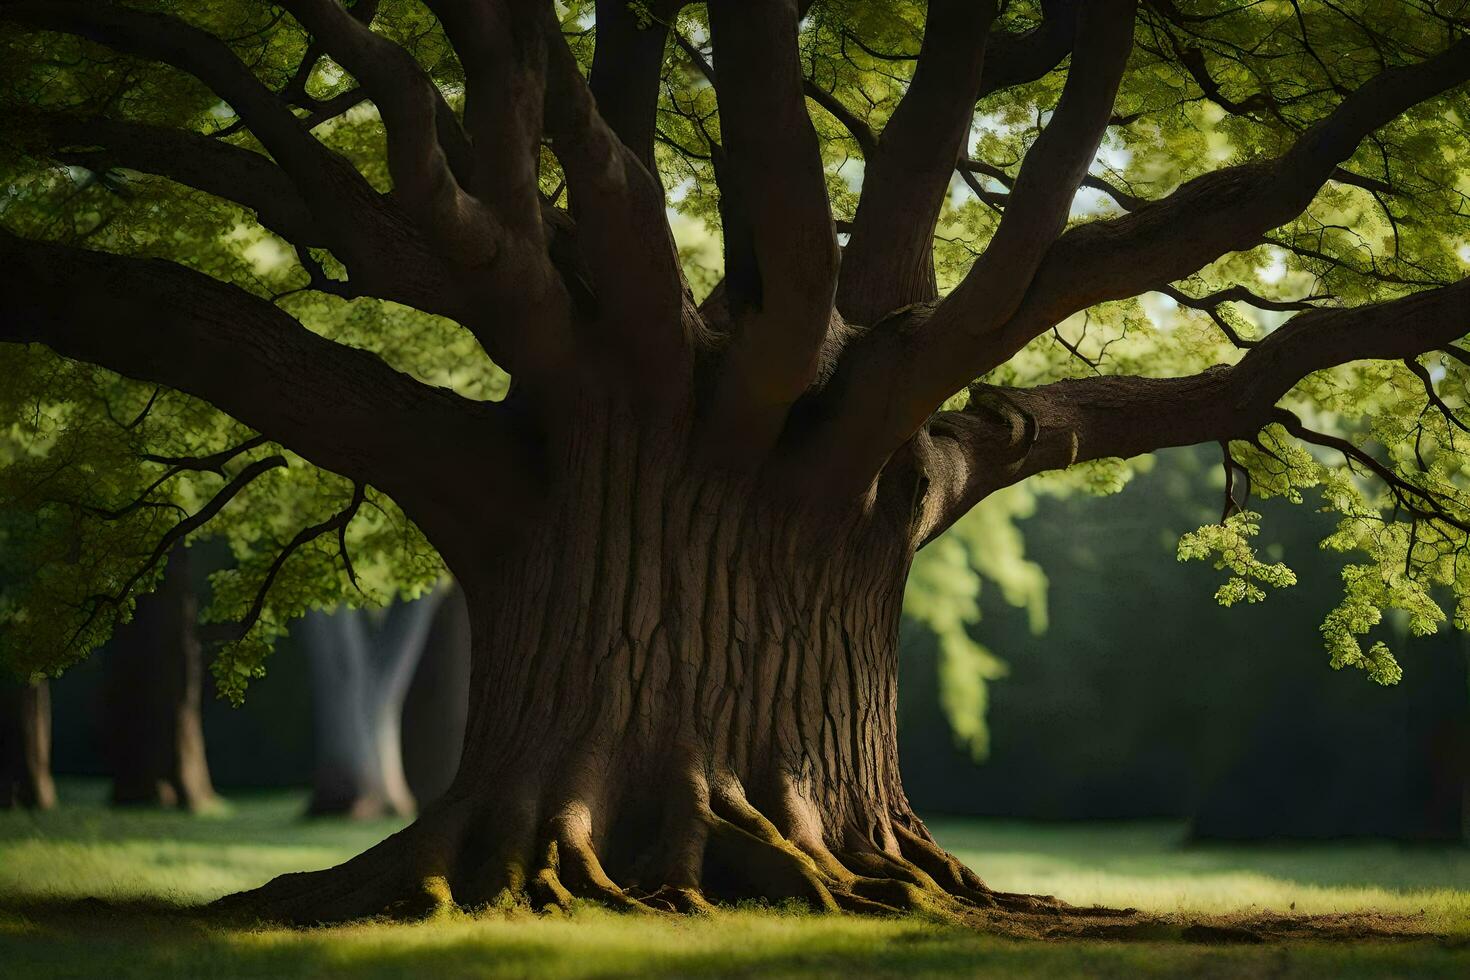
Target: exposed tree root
(717, 849)
(712, 847)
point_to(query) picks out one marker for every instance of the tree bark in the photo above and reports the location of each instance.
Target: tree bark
(25, 745)
(154, 683)
(683, 691)
(362, 663)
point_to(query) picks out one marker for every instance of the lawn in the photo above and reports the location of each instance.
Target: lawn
(143, 863)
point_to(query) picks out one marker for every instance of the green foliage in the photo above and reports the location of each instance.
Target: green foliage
(1229, 543)
(943, 596)
(70, 455)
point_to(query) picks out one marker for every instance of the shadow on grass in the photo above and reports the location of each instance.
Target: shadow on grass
(156, 940)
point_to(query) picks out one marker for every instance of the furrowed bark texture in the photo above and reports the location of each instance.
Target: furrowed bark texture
(25, 745)
(683, 691)
(154, 679)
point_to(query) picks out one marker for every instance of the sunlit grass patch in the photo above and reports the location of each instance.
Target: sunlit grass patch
(149, 863)
(1151, 866)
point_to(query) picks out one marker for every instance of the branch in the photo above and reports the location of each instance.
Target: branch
(314, 168)
(365, 231)
(1220, 212)
(338, 522)
(177, 533)
(210, 165)
(978, 449)
(891, 380)
(213, 463)
(627, 66)
(781, 267)
(861, 133)
(409, 104)
(1416, 500)
(502, 47)
(622, 232)
(889, 260)
(1015, 59)
(1419, 372)
(1051, 172)
(342, 408)
(522, 307)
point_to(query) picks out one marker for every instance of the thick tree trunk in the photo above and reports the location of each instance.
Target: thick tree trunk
(683, 691)
(154, 683)
(361, 664)
(25, 745)
(435, 709)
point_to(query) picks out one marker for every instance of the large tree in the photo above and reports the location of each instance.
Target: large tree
(684, 532)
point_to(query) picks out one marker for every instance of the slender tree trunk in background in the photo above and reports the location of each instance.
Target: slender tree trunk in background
(25, 745)
(362, 663)
(434, 712)
(154, 684)
(1439, 744)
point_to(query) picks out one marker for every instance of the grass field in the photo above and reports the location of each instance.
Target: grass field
(143, 864)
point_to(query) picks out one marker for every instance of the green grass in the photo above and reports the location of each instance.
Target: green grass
(144, 862)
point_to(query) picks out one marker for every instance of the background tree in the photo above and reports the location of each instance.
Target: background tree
(362, 663)
(25, 744)
(154, 736)
(683, 532)
(435, 710)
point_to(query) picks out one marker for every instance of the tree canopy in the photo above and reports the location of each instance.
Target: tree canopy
(1069, 234)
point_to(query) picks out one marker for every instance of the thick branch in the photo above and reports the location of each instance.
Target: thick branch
(1224, 211)
(1008, 434)
(627, 66)
(889, 260)
(408, 102)
(893, 379)
(780, 292)
(522, 308)
(502, 46)
(210, 165)
(1015, 59)
(1053, 169)
(622, 234)
(1159, 242)
(315, 169)
(365, 231)
(340, 407)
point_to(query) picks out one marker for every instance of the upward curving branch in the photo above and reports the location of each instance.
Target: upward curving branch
(927, 357)
(627, 67)
(1051, 172)
(889, 259)
(781, 264)
(1156, 242)
(622, 234)
(409, 104)
(1223, 211)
